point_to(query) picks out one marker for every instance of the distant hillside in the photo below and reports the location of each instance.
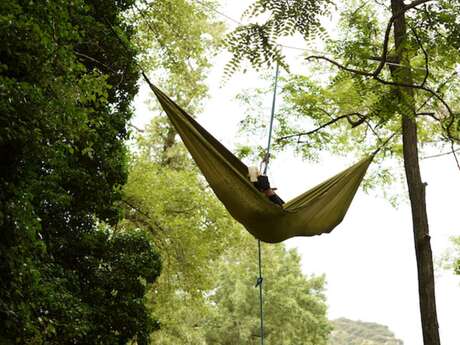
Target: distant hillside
(349, 332)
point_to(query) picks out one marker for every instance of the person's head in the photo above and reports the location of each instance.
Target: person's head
(253, 172)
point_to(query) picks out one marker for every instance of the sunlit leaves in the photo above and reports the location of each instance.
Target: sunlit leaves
(190, 228)
(177, 39)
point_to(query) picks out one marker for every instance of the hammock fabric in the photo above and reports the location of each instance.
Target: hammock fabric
(314, 212)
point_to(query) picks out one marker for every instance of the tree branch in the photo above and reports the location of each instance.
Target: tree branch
(454, 153)
(362, 118)
(392, 83)
(95, 60)
(430, 114)
(437, 90)
(419, 87)
(425, 53)
(146, 215)
(136, 128)
(441, 154)
(352, 70)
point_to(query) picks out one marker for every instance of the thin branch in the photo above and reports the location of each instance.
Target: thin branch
(438, 89)
(380, 3)
(425, 53)
(430, 114)
(451, 122)
(386, 82)
(441, 154)
(148, 216)
(348, 69)
(353, 124)
(334, 120)
(423, 88)
(136, 128)
(454, 153)
(372, 129)
(358, 9)
(95, 60)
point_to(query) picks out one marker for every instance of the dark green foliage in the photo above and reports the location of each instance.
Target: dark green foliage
(348, 332)
(65, 90)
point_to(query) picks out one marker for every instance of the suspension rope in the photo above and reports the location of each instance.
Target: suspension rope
(272, 116)
(266, 160)
(259, 284)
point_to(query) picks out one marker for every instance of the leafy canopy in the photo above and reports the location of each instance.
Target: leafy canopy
(66, 86)
(294, 305)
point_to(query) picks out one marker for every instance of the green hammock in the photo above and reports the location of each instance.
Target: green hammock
(314, 212)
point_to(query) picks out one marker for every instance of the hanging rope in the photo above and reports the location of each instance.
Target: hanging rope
(261, 299)
(266, 160)
(272, 116)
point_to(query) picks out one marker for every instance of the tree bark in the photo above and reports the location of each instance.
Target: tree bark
(416, 187)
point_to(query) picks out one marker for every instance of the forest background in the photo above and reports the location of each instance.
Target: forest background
(88, 225)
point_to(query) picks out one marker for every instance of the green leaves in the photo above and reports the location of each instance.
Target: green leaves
(330, 108)
(66, 86)
(191, 230)
(450, 260)
(177, 39)
(257, 43)
(94, 88)
(295, 309)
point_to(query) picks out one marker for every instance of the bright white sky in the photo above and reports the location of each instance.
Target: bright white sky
(369, 259)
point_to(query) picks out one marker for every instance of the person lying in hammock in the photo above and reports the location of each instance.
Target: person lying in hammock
(262, 183)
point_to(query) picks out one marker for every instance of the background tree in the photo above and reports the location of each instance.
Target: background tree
(177, 39)
(450, 260)
(66, 86)
(456, 262)
(165, 194)
(381, 85)
(295, 308)
(191, 230)
(348, 332)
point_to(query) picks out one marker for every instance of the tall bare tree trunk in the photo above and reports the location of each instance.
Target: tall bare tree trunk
(416, 188)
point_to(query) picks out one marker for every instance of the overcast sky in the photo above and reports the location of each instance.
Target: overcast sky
(369, 259)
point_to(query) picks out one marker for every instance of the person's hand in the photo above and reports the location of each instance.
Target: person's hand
(269, 191)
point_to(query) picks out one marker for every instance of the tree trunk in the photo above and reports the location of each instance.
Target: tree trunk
(416, 188)
(169, 141)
